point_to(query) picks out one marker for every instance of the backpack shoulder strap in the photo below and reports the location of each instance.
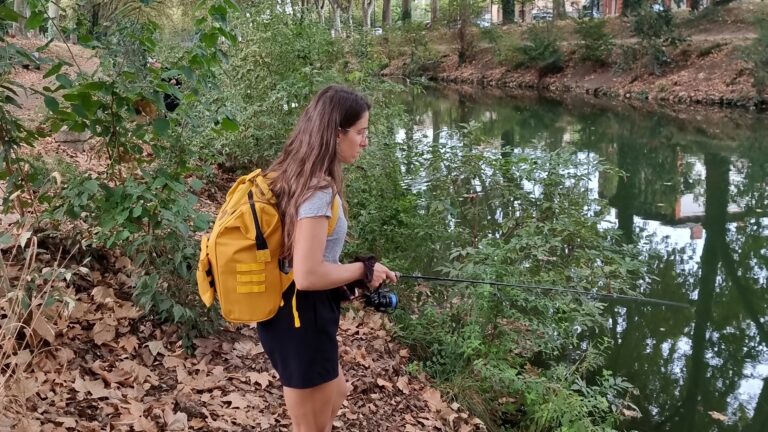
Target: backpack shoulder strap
(334, 214)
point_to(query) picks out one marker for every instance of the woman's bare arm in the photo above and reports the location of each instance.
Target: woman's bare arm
(310, 271)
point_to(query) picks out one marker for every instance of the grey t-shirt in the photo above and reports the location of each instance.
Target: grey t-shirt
(319, 204)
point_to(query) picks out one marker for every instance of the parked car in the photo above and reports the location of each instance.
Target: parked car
(542, 15)
(483, 22)
(588, 13)
(657, 7)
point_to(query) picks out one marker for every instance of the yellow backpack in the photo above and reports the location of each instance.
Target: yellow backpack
(239, 262)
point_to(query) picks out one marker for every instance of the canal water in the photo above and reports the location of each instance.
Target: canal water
(695, 190)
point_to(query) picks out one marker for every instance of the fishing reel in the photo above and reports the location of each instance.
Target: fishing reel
(381, 300)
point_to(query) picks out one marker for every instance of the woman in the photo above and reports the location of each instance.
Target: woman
(333, 130)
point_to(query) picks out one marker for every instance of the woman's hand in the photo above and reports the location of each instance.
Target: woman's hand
(381, 274)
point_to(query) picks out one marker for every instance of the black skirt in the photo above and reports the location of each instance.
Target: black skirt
(306, 356)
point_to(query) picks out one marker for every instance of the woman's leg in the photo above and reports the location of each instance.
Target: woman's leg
(313, 409)
(342, 390)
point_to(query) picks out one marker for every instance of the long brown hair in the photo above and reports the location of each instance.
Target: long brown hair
(309, 162)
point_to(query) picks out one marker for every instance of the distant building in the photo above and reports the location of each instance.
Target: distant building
(615, 7)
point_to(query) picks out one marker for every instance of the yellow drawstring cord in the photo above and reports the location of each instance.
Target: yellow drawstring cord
(296, 321)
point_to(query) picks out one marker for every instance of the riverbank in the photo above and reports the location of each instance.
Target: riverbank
(708, 69)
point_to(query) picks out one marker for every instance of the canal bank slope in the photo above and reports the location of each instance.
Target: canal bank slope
(708, 69)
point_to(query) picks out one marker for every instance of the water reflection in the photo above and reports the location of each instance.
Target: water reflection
(695, 191)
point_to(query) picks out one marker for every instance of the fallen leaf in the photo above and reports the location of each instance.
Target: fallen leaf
(236, 400)
(22, 358)
(64, 356)
(41, 326)
(28, 425)
(432, 396)
(383, 383)
(127, 310)
(175, 421)
(144, 425)
(402, 384)
(118, 375)
(25, 386)
(245, 348)
(67, 422)
(173, 362)
(103, 332)
(122, 263)
(103, 294)
(139, 372)
(5, 422)
(259, 377)
(95, 387)
(156, 347)
(129, 342)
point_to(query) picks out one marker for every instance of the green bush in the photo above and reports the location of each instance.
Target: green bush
(595, 43)
(657, 32)
(142, 204)
(279, 64)
(409, 40)
(479, 342)
(541, 49)
(507, 51)
(628, 57)
(757, 54)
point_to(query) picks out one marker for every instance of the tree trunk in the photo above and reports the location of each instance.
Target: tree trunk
(559, 9)
(715, 218)
(406, 12)
(435, 11)
(367, 10)
(336, 10)
(349, 17)
(760, 415)
(53, 14)
(320, 6)
(19, 28)
(508, 11)
(336, 22)
(386, 13)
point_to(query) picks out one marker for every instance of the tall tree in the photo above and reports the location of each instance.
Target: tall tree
(320, 6)
(53, 13)
(386, 13)
(435, 11)
(558, 7)
(349, 16)
(19, 29)
(508, 11)
(715, 218)
(406, 11)
(367, 12)
(336, 10)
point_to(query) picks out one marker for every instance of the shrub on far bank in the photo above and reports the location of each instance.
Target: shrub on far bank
(595, 44)
(756, 54)
(657, 32)
(541, 49)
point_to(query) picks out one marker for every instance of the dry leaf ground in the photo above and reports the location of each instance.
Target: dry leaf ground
(107, 367)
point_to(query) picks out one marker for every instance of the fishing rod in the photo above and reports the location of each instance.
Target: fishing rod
(546, 288)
